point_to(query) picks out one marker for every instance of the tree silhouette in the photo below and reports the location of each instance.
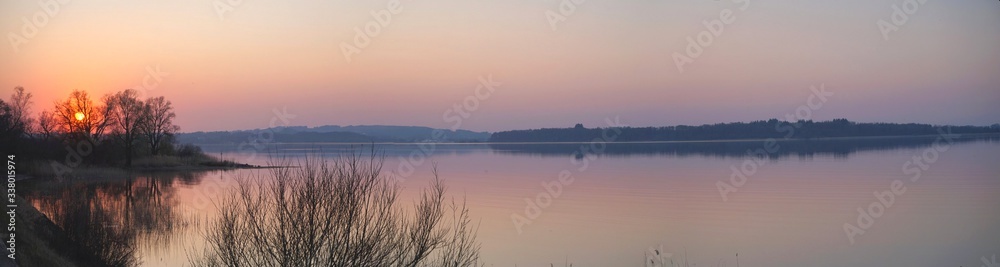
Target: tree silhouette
(9, 129)
(158, 122)
(20, 105)
(80, 117)
(126, 114)
(46, 124)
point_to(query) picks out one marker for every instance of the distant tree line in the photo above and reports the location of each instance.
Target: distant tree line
(110, 131)
(801, 148)
(772, 128)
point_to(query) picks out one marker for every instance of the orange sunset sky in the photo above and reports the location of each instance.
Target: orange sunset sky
(227, 67)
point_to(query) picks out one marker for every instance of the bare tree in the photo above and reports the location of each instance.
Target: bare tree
(339, 214)
(79, 115)
(46, 124)
(20, 105)
(158, 123)
(127, 112)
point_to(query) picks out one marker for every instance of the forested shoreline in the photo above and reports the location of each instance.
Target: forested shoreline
(772, 128)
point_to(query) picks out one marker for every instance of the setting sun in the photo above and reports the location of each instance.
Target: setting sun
(79, 116)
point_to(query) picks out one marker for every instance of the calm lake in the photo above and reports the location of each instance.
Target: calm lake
(616, 202)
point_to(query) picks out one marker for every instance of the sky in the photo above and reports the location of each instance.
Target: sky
(231, 64)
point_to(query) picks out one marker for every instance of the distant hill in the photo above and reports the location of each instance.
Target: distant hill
(404, 133)
(739, 130)
(334, 134)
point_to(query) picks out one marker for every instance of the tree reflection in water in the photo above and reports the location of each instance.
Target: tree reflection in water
(114, 219)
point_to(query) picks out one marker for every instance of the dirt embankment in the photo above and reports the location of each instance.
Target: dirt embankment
(39, 242)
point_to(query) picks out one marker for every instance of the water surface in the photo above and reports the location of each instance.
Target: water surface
(623, 200)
